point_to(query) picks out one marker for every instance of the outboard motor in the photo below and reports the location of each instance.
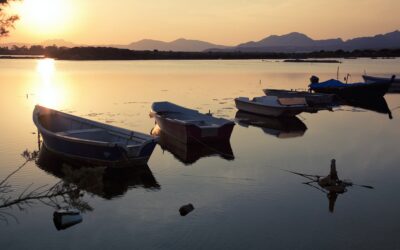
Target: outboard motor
(314, 79)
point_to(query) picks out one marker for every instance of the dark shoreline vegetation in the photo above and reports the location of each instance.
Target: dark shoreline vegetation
(107, 53)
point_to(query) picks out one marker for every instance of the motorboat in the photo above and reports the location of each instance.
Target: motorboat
(395, 84)
(351, 90)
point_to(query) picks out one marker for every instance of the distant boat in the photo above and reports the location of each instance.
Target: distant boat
(313, 99)
(280, 127)
(188, 125)
(272, 105)
(189, 153)
(87, 140)
(350, 90)
(395, 84)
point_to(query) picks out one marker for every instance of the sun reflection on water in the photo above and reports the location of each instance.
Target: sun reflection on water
(49, 92)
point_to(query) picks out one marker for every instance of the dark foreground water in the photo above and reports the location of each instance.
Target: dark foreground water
(243, 193)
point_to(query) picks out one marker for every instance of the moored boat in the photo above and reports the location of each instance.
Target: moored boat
(312, 99)
(87, 140)
(395, 87)
(350, 90)
(272, 105)
(188, 125)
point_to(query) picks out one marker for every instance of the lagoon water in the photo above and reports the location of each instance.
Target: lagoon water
(246, 201)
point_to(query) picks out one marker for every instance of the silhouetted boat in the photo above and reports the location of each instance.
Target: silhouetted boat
(106, 182)
(84, 139)
(395, 87)
(189, 153)
(312, 99)
(281, 127)
(188, 125)
(350, 90)
(272, 105)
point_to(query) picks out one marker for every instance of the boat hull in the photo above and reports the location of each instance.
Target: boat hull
(267, 110)
(96, 154)
(190, 133)
(372, 90)
(312, 99)
(395, 87)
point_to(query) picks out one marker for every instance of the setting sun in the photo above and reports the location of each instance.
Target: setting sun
(45, 16)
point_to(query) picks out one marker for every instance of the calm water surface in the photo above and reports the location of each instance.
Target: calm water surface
(243, 194)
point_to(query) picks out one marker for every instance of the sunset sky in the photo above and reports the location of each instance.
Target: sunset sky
(218, 21)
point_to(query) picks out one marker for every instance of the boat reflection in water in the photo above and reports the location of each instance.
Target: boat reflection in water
(331, 185)
(378, 104)
(281, 127)
(106, 182)
(189, 153)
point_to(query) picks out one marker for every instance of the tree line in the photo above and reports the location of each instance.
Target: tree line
(108, 53)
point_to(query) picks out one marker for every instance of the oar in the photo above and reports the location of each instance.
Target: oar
(364, 186)
(308, 176)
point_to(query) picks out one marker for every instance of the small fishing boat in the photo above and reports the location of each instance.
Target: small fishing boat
(188, 125)
(395, 84)
(280, 127)
(350, 90)
(312, 99)
(272, 105)
(87, 140)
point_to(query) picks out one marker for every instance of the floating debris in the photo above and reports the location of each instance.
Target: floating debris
(186, 209)
(65, 218)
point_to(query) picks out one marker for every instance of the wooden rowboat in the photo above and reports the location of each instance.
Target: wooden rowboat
(188, 125)
(272, 105)
(87, 140)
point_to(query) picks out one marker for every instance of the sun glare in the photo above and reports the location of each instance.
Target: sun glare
(45, 16)
(49, 93)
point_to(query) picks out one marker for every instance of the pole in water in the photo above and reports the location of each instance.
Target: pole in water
(38, 138)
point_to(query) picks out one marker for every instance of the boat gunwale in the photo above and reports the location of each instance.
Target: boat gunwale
(209, 118)
(119, 163)
(279, 106)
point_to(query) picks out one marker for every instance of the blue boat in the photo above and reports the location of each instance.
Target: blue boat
(87, 140)
(351, 90)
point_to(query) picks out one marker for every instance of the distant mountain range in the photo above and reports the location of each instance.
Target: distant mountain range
(292, 42)
(177, 45)
(297, 42)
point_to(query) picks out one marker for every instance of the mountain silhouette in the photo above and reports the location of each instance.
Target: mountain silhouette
(176, 45)
(292, 42)
(297, 42)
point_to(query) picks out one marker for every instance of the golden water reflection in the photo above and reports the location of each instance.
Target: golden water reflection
(50, 91)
